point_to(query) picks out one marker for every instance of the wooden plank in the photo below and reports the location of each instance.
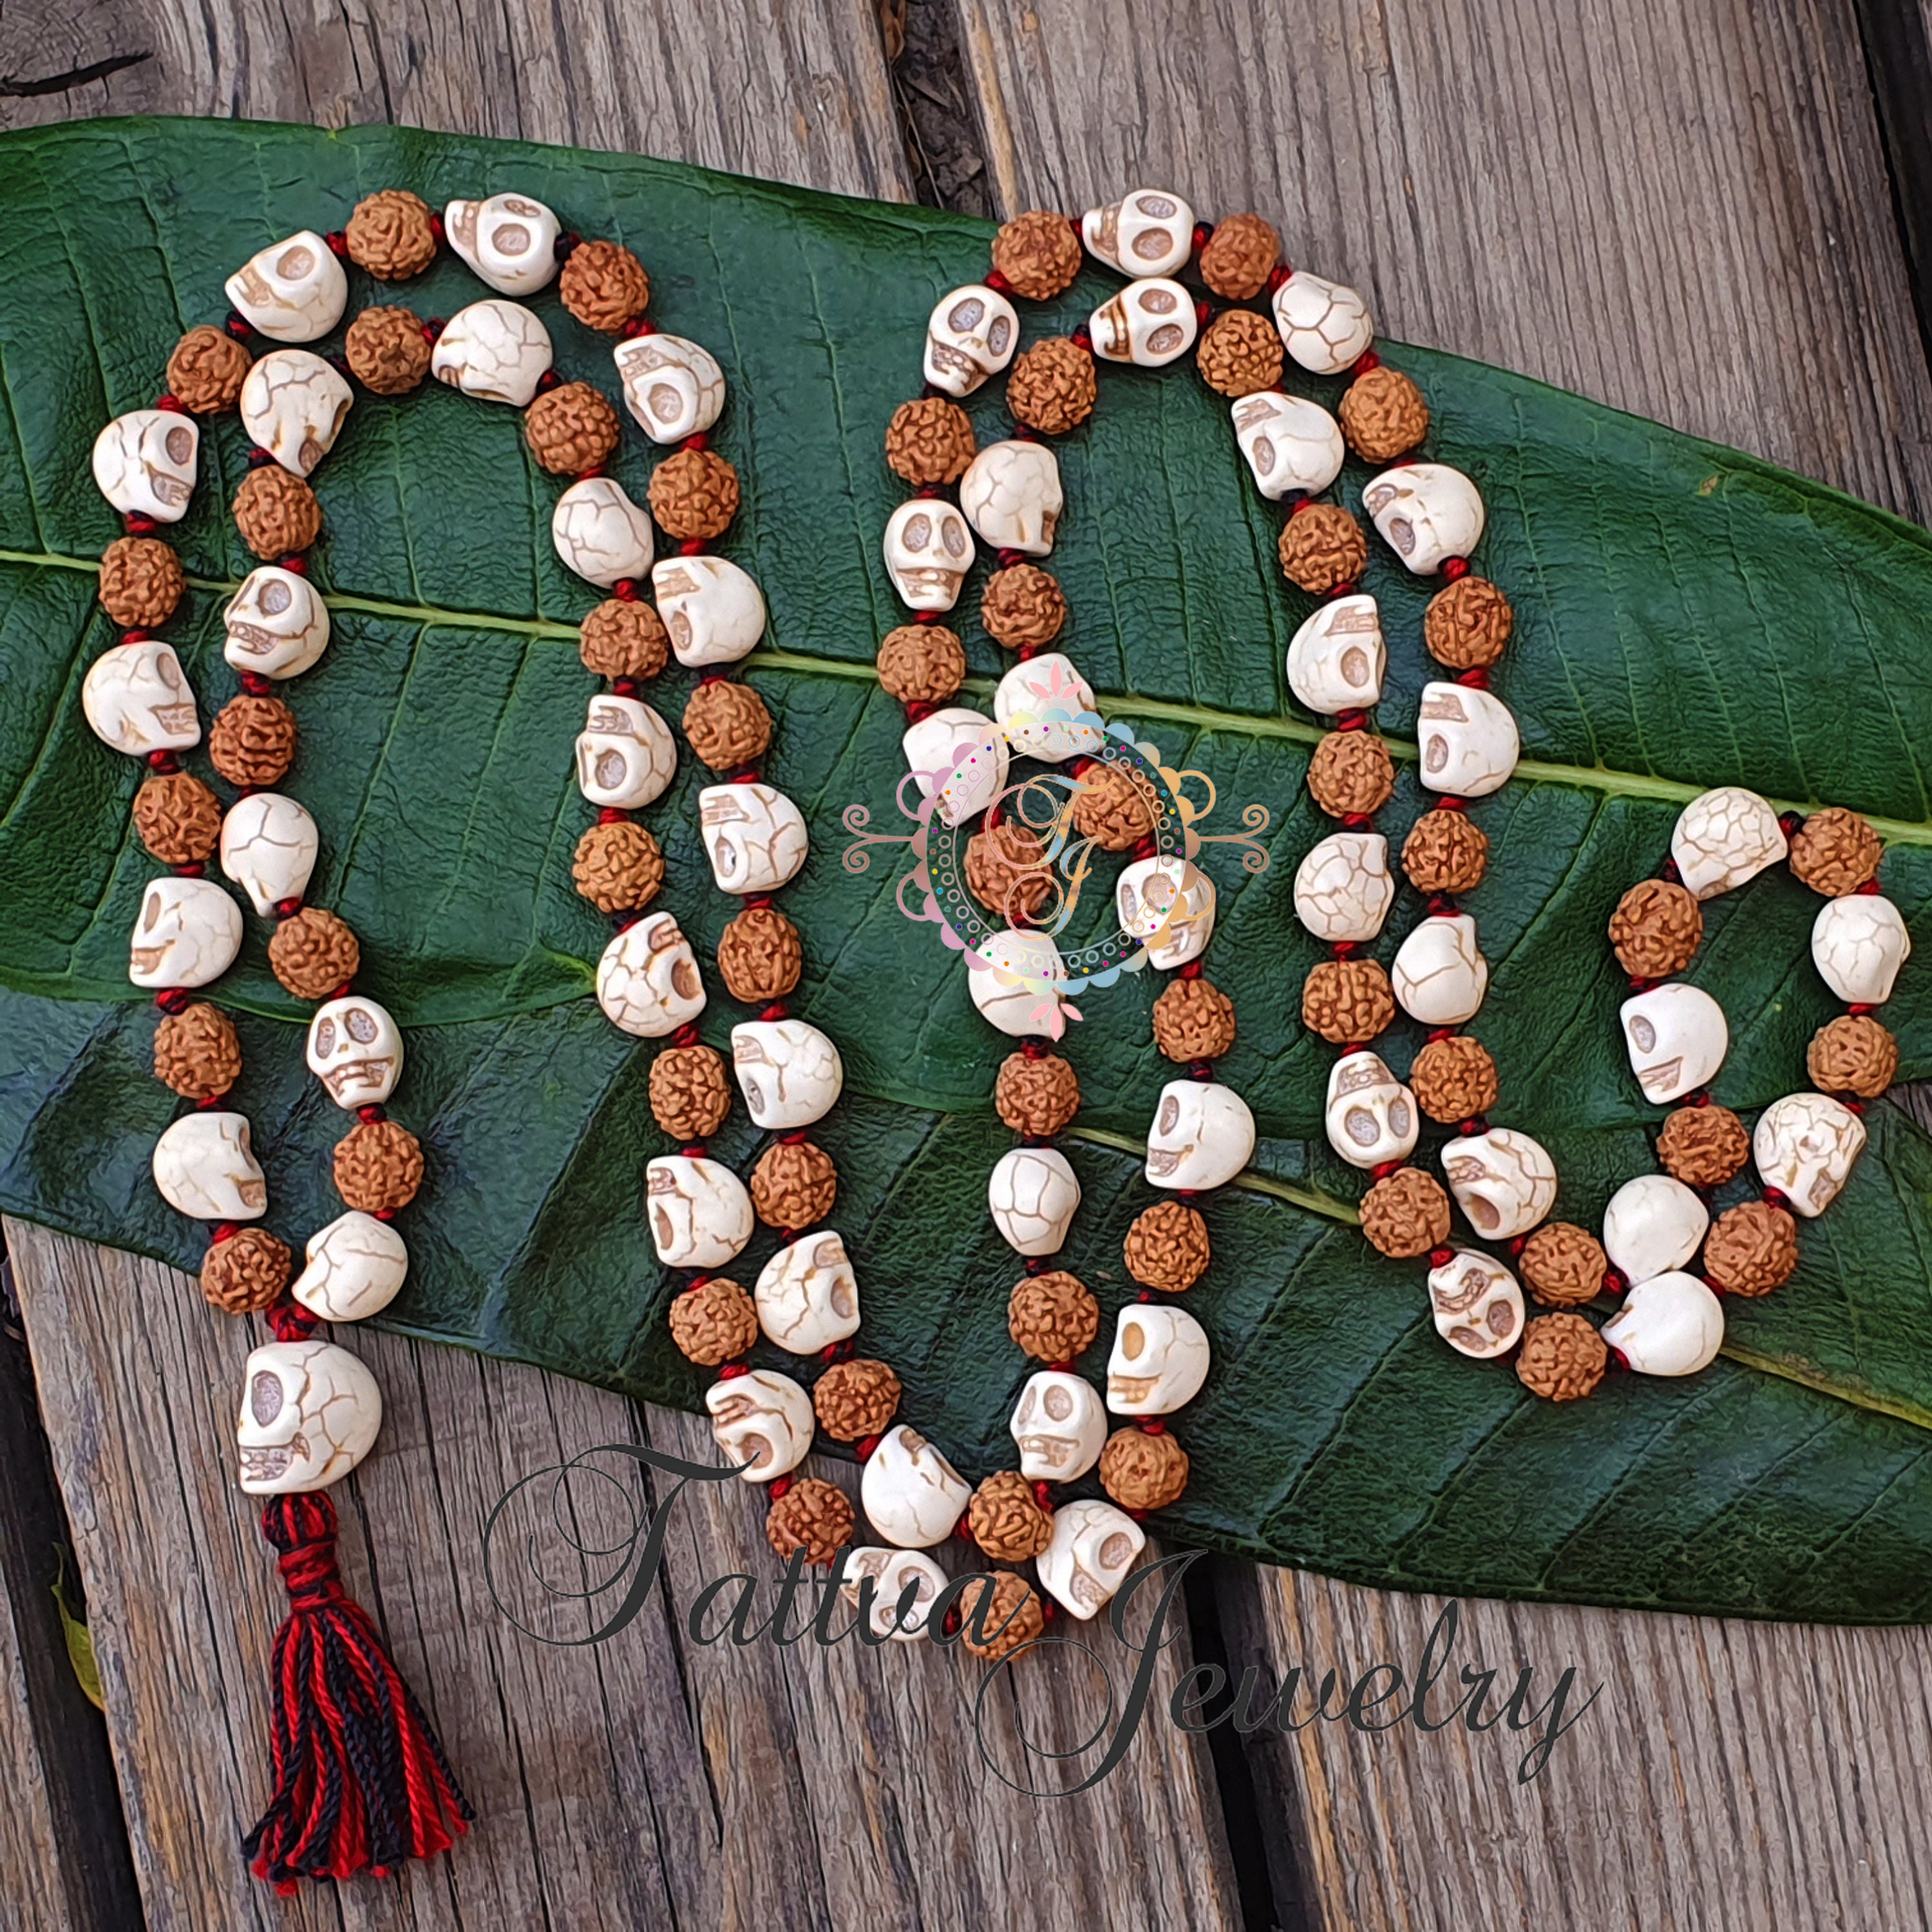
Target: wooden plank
(1682, 209)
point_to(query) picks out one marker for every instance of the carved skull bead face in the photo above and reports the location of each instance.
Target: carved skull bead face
(1168, 904)
(928, 551)
(963, 755)
(600, 534)
(1670, 1325)
(1149, 323)
(1805, 1146)
(1503, 1181)
(1033, 1194)
(310, 1413)
(1469, 741)
(356, 1267)
(269, 846)
(626, 754)
(700, 1214)
(1342, 888)
(647, 981)
(276, 625)
(1149, 231)
(1293, 446)
(1337, 660)
(1427, 513)
(1476, 1304)
(1092, 1548)
(1439, 973)
(205, 1166)
(972, 335)
(1723, 837)
(673, 387)
(1371, 1116)
(1859, 943)
(1677, 1037)
(1037, 703)
(1202, 1136)
(790, 1073)
(808, 1295)
(1011, 495)
(713, 610)
(1018, 989)
(1324, 326)
(293, 405)
(187, 933)
(1652, 1225)
(496, 350)
(294, 291)
(146, 462)
(912, 1494)
(754, 836)
(356, 1050)
(136, 698)
(1159, 1360)
(763, 1422)
(1060, 1426)
(509, 240)
(904, 1582)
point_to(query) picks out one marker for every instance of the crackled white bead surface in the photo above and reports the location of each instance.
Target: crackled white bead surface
(356, 1050)
(626, 754)
(1859, 943)
(293, 404)
(962, 755)
(1671, 1324)
(1503, 1181)
(1011, 495)
(1342, 888)
(1160, 1359)
(1476, 1304)
(1653, 1225)
(1469, 745)
(1724, 837)
(647, 980)
(1370, 1117)
(268, 848)
(1017, 990)
(508, 241)
(1426, 512)
(1037, 702)
(913, 1496)
(754, 836)
(1805, 1145)
(971, 334)
(1168, 904)
(1149, 231)
(1439, 973)
(1093, 1547)
(713, 612)
(1676, 1037)
(807, 1294)
(205, 1166)
(310, 1412)
(897, 1576)
(1325, 325)
(1337, 659)
(276, 623)
(356, 1267)
(699, 1214)
(673, 387)
(1202, 1136)
(136, 698)
(145, 463)
(496, 351)
(762, 1423)
(1059, 1426)
(187, 933)
(294, 290)
(1291, 444)
(600, 534)
(1150, 323)
(1033, 1194)
(789, 1072)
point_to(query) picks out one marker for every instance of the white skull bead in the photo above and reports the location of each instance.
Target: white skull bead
(509, 240)
(1060, 1426)
(1092, 1548)
(188, 933)
(928, 551)
(293, 405)
(1469, 741)
(1149, 323)
(1427, 513)
(1159, 1360)
(1325, 325)
(496, 350)
(294, 291)
(311, 1411)
(1017, 988)
(1169, 904)
(808, 1295)
(754, 836)
(1476, 1304)
(625, 754)
(1805, 1145)
(1033, 1194)
(912, 1495)
(1677, 1037)
(972, 335)
(356, 1267)
(268, 846)
(204, 1166)
(1292, 445)
(1202, 1135)
(700, 1214)
(146, 462)
(714, 612)
(1671, 1324)
(137, 699)
(600, 534)
(1342, 887)
(1011, 495)
(1149, 231)
(961, 755)
(1438, 972)
(1724, 837)
(647, 980)
(276, 623)
(789, 1072)
(763, 1422)
(1503, 1181)
(1652, 1225)
(1036, 703)
(356, 1050)
(673, 387)
(1859, 943)
(1371, 1116)
(1337, 660)
(899, 1576)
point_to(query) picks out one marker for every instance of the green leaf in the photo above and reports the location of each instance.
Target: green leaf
(79, 1638)
(1686, 616)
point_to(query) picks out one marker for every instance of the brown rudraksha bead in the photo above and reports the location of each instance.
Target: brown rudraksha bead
(1348, 1001)
(690, 1092)
(1193, 1020)
(142, 580)
(1052, 1316)
(1751, 1249)
(999, 1615)
(1453, 1079)
(1468, 625)
(1114, 808)
(379, 1166)
(1240, 256)
(793, 1185)
(761, 955)
(727, 724)
(1038, 253)
(196, 1053)
(1167, 1248)
(1142, 1472)
(1240, 354)
(1405, 1213)
(855, 1399)
(1853, 1054)
(313, 954)
(1834, 852)
(713, 1321)
(1444, 853)
(1053, 388)
(618, 867)
(246, 1273)
(252, 741)
(693, 495)
(1322, 548)
(604, 285)
(387, 351)
(622, 638)
(1036, 1096)
(179, 818)
(1703, 1147)
(1022, 606)
(391, 234)
(1006, 1521)
(1562, 1264)
(1656, 929)
(276, 512)
(1562, 1358)
(1007, 872)
(813, 1516)
(922, 663)
(1383, 415)
(570, 428)
(206, 370)
(930, 440)
(1351, 772)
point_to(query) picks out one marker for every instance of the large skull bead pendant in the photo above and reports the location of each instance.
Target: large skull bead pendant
(972, 335)
(808, 1295)
(293, 291)
(146, 462)
(763, 1422)
(311, 1411)
(912, 1494)
(1476, 1304)
(509, 240)
(1159, 1360)
(928, 550)
(1202, 1136)
(1092, 1548)
(356, 1050)
(754, 836)
(647, 981)
(626, 754)
(1371, 1116)
(277, 624)
(1059, 1426)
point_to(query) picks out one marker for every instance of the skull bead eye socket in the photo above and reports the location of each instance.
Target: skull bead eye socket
(965, 316)
(265, 1398)
(360, 1024)
(918, 532)
(1155, 205)
(276, 597)
(1115, 1552)
(1058, 1403)
(179, 444)
(999, 335)
(1170, 1113)
(1360, 1127)
(325, 1037)
(953, 536)
(1643, 1032)
(1164, 340)
(512, 238)
(151, 911)
(1157, 301)
(517, 204)
(1133, 1339)
(294, 263)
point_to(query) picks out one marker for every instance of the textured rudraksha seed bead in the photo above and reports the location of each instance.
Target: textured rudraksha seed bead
(1444, 853)
(206, 370)
(1115, 809)
(276, 512)
(252, 741)
(761, 955)
(386, 351)
(930, 440)
(1834, 852)
(1052, 1316)
(1036, 1096)
(1751, 1249)
(793, 1185)
(605, 286)
(1561, 1264)
(1656, 929)
(179, 818)
(1383, 415)
(1023, 606)
(1193, 1020)
(391, 234)
(693, 495)
(1240, 354)
(570, 428)
(1240, 256)
(1322, 547)
(1853, 1054)
(690, 1092)
(855, 1399)
(1167, 1249)
(618, 867)
(1142, 1472)
(1562, 1358)
(999, 1615)
(1468, 625)
(1039, 254)
(1405, 1213)
(142, 580)
(1453, 1079)
(726, 724)
(1703, 1147)
(922, 663)
(379, 1166)
(246, 1273)
(620, 639)
(1006, 1521)
(1348, 1001)
(1351, 773)
(1006, 871)
(1053, 388)
(812, 1515)
(313, 953)
(713, 1321)
(196, 1052)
